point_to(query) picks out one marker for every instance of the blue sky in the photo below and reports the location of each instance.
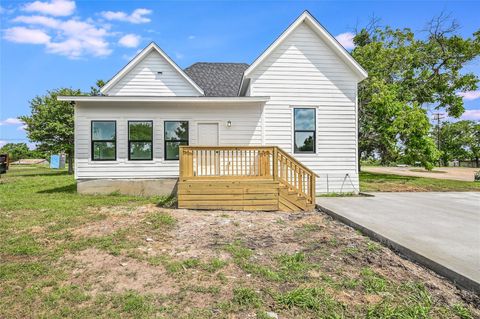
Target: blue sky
(47, 44)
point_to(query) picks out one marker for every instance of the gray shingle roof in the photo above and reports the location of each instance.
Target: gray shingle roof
(217, 79)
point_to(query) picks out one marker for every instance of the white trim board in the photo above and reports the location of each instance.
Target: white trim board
(188, 99)
(151, 47)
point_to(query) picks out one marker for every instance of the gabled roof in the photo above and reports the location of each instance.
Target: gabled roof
(217, 79)
(139, 57)
(323, 34)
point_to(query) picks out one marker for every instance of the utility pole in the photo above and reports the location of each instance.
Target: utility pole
(438, 117)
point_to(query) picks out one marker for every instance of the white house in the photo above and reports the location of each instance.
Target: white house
(300, 94)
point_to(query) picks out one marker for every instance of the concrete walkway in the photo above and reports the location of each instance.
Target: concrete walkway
(439, 230)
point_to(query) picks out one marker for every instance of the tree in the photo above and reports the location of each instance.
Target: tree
(95, 90)
(460, 140)
(405, 75)
(51, 123)
(15, 151)
(474, 143)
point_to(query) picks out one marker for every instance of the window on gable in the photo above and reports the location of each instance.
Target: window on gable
(104, 140)
(140, 140)
(304, 130)
(176, 134)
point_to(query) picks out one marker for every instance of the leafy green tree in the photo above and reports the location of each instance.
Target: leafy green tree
(459, 140)
(51, 123)
(95, 90)
(15, 151)
(474, 143)
(406, 74)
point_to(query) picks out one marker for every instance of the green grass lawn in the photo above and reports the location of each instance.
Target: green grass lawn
(38, 207)
(57, 260)
(377, 182)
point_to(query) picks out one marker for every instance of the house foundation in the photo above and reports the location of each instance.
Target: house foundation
(141, 187)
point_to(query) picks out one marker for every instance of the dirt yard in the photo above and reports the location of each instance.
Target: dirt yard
(255, 265)
(454, 173)
(67, 255)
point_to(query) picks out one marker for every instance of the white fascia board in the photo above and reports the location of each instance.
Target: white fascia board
(323, 34)
(186, 99)
(139, 57)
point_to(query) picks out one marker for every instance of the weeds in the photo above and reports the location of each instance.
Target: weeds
(314, 299)
(372, 282)
(246, 297)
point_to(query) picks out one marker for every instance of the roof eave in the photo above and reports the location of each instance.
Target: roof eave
(166, 99)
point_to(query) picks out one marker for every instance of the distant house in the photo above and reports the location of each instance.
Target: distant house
(300, 94)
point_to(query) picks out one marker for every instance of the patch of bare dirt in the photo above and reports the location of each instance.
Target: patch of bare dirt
(103, 272)
(339, 251)
(116, 218)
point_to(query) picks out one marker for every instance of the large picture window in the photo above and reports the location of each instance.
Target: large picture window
(176, 134)
(140, 140)
(304, 130)
(104, 140)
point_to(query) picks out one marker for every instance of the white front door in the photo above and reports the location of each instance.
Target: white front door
(208, 134)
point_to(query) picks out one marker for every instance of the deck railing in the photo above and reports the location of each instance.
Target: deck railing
(264, 162)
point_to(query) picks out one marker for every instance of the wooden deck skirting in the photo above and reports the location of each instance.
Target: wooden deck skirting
(243, 178)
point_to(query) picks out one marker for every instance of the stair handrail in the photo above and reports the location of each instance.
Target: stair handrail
(311, 175)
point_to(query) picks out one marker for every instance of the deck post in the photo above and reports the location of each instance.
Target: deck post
(275, 163)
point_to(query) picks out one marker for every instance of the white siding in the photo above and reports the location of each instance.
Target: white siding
(304, 72)
(144, 80)
(245, 130)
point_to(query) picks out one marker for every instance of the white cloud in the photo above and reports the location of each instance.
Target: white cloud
(346, 40)
(471, 115)
(11, 121)
(137, 16)
(26, 35)
(2, 143)
(57, 8)
(470, 95)
(39, 20)
(72, 38)
(129, 41)
(179, 55)
(22, 128)
(80, 38)
(191, 37)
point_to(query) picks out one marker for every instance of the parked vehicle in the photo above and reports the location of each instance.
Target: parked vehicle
(3, 163)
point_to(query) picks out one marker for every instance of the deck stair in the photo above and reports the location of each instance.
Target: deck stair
(244, 178)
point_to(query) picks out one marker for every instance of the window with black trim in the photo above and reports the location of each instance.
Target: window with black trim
(176, 134)
(140, 140)
(304, 130)
(104, 140)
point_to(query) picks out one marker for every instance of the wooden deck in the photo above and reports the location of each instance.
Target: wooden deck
(244, 178)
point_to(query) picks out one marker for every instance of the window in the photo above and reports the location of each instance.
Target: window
(140, 140)
(176, 134)
(104, 140)
(304, 130)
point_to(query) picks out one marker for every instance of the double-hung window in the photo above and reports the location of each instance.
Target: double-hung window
(104, 140)
(176, 134)
(304, 130)
(140, 140)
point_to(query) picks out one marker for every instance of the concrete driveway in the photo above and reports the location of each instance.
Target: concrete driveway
(439, 230)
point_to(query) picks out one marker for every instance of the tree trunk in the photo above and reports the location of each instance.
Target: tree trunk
(70, 162)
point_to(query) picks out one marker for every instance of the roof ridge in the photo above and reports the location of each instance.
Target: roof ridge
(244, 63)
